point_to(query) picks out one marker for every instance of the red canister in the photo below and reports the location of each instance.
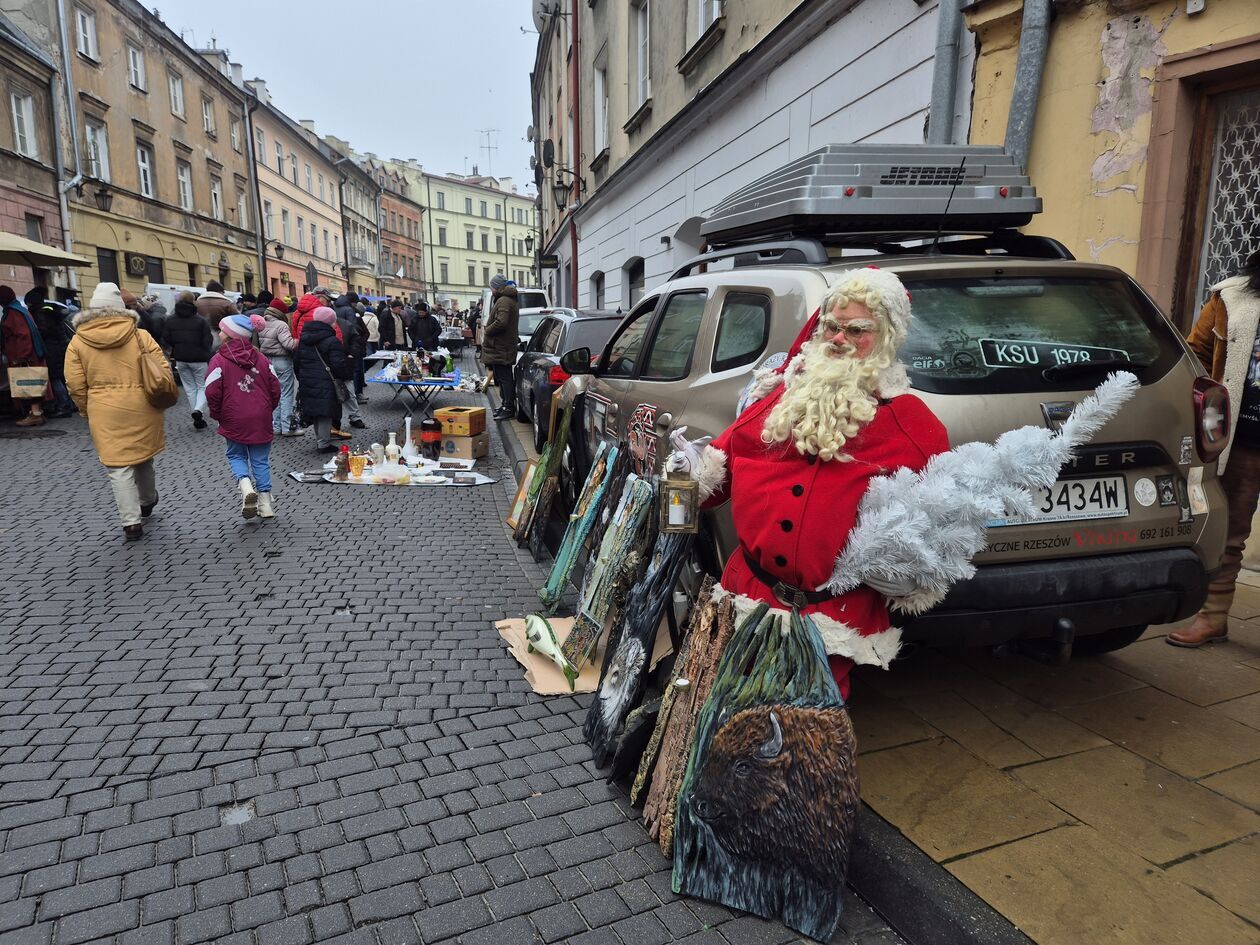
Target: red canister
(430, 439)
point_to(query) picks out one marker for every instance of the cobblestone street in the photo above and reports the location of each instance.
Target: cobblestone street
(298, 731)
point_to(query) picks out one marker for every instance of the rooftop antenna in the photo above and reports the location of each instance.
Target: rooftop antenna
(488, 148)
(935, 248)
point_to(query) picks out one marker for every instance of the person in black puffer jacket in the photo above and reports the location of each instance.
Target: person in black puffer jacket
(354, 339)
(318, 353)
(186, 335)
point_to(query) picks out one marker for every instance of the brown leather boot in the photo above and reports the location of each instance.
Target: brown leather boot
(1198, 633)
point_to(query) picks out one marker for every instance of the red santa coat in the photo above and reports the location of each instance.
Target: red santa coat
(793, 515)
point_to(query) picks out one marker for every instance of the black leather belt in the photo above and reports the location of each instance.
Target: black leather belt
(787, 594)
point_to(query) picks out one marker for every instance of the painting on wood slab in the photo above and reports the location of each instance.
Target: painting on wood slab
(767, 807)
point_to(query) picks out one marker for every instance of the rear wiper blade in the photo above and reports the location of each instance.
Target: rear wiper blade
(1088, 367)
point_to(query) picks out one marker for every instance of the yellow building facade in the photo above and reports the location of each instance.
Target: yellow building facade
(474, 227)
(1145, 146)
(160, 133)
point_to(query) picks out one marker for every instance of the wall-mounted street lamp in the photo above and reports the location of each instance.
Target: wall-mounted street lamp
(560, 187)
(279, 251)
(529, 245)
(104, 198)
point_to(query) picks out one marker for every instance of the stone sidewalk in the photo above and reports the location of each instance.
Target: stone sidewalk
(298, 731)
(1115, 798)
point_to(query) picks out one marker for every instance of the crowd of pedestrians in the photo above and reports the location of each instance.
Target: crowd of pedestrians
(259, 366)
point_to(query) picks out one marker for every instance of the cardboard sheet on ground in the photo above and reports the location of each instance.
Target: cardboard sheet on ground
(545, 678)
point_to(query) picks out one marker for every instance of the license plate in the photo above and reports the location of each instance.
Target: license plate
(1073, 500)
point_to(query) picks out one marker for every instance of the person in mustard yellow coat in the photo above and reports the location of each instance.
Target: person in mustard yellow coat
(103, 376)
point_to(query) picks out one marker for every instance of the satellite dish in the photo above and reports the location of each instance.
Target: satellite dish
(549, 153)
(538, 177)
(529, 133)
(533, 162)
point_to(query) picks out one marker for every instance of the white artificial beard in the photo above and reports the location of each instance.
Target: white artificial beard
(826, 400)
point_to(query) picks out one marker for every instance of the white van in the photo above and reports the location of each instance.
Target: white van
(526, 297)
(167, 293)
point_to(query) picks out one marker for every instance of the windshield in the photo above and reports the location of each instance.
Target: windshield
(997, 335)
(528, 323)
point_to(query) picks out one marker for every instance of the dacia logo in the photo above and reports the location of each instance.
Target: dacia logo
(1056, 413)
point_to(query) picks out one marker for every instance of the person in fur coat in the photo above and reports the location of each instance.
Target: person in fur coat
(845, 495)
(1226, 338)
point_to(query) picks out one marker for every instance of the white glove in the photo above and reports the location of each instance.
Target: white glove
(889, 587)
(686, 455)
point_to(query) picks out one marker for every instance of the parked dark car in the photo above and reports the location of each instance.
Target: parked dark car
(538, 372)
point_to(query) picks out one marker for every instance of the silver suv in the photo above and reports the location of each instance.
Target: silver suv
(1008, 330)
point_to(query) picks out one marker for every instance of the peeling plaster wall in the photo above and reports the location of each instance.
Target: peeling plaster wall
(1090, 142)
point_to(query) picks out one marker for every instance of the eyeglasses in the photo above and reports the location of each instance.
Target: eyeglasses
(853, 331)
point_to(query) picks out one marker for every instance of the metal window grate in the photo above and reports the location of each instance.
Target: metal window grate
(914, 174)
(1232, 229)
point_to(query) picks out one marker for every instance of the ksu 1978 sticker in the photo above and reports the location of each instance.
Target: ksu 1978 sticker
(1008, 353)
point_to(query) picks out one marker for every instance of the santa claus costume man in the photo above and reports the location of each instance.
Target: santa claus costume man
(796, 464)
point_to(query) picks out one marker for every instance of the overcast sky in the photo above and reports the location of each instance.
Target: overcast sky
(428, 75)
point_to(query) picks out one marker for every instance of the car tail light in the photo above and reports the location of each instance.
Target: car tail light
(557, 376)
(1211, 418)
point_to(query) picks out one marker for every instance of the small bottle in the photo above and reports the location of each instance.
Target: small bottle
(392, 449)
(341, 464)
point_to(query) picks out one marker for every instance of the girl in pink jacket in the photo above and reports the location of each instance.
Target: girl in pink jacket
(242, 391)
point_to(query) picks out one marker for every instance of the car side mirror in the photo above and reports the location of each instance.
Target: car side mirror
(577, 361)
(522, 344)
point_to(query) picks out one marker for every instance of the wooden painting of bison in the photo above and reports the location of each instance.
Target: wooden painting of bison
(772, 811)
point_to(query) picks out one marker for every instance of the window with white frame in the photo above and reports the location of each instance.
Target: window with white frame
(279, 158)
(85, 33)
(310, 187)
(260, 145)
(216, 198)
(234, 134)
(336, 248)
(321, 186)
(441, 201)
(710, 11)
(284, 227)
(601, 106)
(183, 180)
(301, 234)
(144, 168)
(97, 150)
(293, 167)
(641, 76)
(207, 117)
(314, 247)
(327, 254)
(175, 83)
(269, 226)
(25, 142)
(242, 209)
(135, 68)
(483, 208)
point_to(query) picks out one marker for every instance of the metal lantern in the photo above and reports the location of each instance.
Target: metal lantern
(680, 504)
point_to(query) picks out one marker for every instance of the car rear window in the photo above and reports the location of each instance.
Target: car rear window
(998, 335)
(528, 323)
(527, 299)
(590, 333)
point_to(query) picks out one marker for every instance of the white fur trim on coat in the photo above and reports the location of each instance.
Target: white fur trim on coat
(839, 639)
(1242, 312)
(710, 475)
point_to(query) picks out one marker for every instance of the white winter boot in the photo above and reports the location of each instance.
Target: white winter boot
(265, 509)
(249, 498)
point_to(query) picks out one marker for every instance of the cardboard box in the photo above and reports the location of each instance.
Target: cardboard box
(466, 447)
(461, 421)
